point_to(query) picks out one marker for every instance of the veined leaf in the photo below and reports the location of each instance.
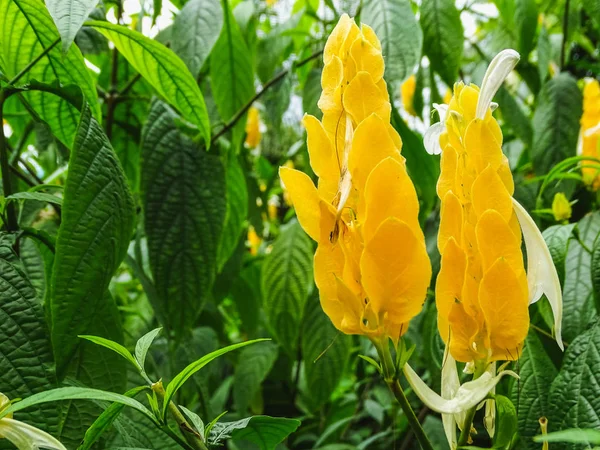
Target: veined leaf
(38, 196)
(26, 363)
(114, 346)
(264, 431)
(183, 191)
(286, 278)
(29, 23)
(194, 367)
(556, 123)
(97, 211)
(231, 74)
(575, 435)
(573, 398)
(442, 37)
(325, 352)
(68, 16)
(578, 290)
(531, 394)
(163, 70)
(514, 116)
(557, 238)
(195, 31)
(255, 363)
(143, 345)
(401, 37)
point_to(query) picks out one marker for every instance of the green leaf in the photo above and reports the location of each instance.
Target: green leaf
(286, 277)
(74, 393)
(114, 346)
(574, 399)
(544, 52)
(69, 16)
(578, 290)
(530, 394)
(39, 196)
(526, 20)
(194, 367)
(401, 37)
(247, 296)
(183, 192)
(312, 93)
(106, 419)
(195, 420)
(592, 8)
(231, 75)
(596, 272)
(143, 345)
(556, 123)
(442, 37)
(254, 365)
(325, 352)
(264, 431)
(97, 222)
(514, 116)
(237, 209)
(573, 435)
(557, 238)
(163, 70)
(29, 24)
(195, 31)
(26, 363)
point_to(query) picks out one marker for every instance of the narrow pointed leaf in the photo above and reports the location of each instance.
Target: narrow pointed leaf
(69, 16)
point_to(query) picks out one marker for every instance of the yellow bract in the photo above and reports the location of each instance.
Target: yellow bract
(407, 93)
(590, 131)
(561, 208)
(481, 291)
(253, 128)
(371, 264)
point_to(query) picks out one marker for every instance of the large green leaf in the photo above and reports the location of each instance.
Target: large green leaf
(163, 70)
(578, 291)
(253, 366)
(556, 123)
(286, 277)
(514, 116)
(264, 431)
(526, 21)
(442, 37)
(557, 238)
(183, 189)
(325, 352)
(97, 222)
(596, 272)
(401, 37)
(195, 31)
(574, 396)
(312, 93)
(68, 16)
(26, 362)
(29, 24)
(231, 74)
(536, 372)
(237, 209)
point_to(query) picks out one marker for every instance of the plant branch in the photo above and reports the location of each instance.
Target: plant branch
(415, 424)
(11, 216)
(28, 67)
(565, 34)
(273, 81)
(129, 85)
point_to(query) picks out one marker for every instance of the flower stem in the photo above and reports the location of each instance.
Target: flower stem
(466, 431)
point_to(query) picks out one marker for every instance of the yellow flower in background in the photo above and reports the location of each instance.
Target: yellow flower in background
(448, 96)
(253, 134)
(22, 435)
(254, 240)
(407, 94)
(561, 208)
(589, 135)
(273, 207)
(371, 264)
(271, 3)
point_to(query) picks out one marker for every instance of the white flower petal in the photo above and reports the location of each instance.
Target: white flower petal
(542, 277)
(431, 138)
(468, 395)
(592, 131)
(450, 386)
(27, 437)
(442, 110)
(496, 73)
(489, 419)
(580, 143)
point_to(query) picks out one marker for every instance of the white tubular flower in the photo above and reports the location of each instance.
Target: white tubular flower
(450, 386)
(502, 64)
(431, 138)
(542, 277)
(24, 436)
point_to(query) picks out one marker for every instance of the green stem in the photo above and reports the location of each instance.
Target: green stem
(466, 431)
(11, 216)
(193, 439)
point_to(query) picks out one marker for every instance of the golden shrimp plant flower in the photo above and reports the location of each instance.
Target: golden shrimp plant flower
(253, 134)
(371, 265)
(589, 134)
(407, 94)
(22, 435)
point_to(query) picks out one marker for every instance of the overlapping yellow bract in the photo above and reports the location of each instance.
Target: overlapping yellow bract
(407, 94)
(371, 264)
(253, 134)
(590, 131)
(481, 291)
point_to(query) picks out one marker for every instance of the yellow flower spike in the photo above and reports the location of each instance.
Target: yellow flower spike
(254, 241)
(371, 265)
(561, 207)
(589, 134)
(24, 436)
(253, 133)
(407, 94)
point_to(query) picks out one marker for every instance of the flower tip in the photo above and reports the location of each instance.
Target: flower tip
(502, 64)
